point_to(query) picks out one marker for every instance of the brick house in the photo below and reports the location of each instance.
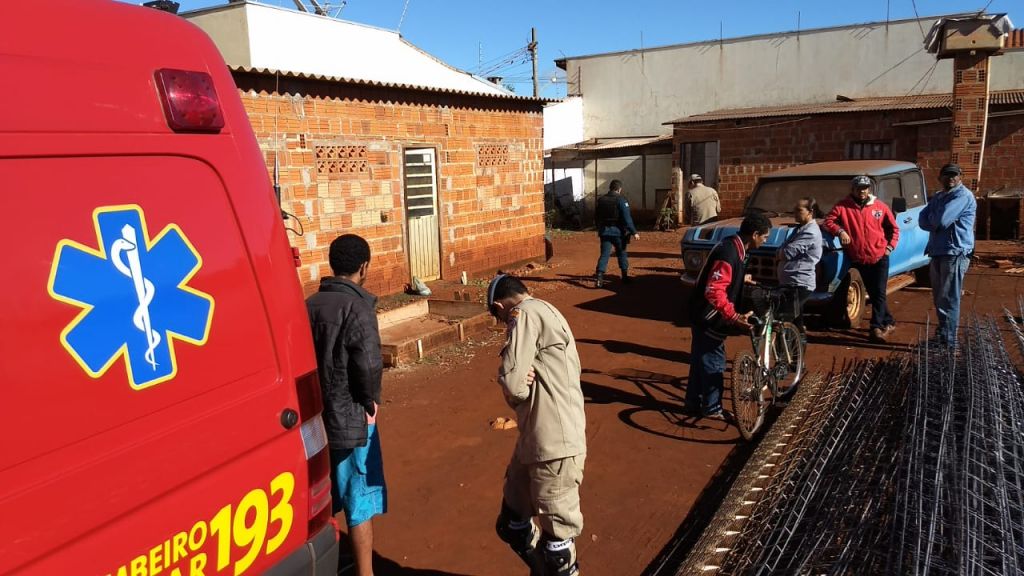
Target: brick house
(441, 171)
(743, 144)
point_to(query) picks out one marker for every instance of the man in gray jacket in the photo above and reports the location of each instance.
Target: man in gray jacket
(799, 256)
(540, 378)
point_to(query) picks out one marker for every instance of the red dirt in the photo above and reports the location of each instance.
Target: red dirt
(645, 468)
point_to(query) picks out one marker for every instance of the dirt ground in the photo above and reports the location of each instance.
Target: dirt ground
(647, 465)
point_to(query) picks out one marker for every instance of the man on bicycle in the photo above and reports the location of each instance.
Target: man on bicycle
(713, 314)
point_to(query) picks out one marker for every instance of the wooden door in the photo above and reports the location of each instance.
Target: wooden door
(421, 218)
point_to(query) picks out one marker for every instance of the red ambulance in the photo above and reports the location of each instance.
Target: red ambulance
(160, 410)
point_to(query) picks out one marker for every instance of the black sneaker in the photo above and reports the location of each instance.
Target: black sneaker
(626, 279)
(598, 280)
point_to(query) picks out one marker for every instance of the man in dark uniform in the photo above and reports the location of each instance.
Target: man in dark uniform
(614, 228)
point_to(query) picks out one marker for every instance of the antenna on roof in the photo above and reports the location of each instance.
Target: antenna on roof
(402, 19)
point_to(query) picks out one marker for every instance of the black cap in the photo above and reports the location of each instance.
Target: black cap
(950, 170)
(861, 182)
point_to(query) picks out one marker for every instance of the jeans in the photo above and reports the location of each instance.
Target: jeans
(707, 373)
(876, 279)
(947, 276)
(619, 244)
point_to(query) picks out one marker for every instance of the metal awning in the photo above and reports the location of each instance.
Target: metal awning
(614, 147)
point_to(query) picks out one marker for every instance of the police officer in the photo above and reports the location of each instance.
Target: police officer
(614, 228)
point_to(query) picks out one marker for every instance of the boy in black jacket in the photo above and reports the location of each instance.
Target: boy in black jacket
(713, 314)
(347, 341)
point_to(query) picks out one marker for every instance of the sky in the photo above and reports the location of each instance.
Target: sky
(466, 33)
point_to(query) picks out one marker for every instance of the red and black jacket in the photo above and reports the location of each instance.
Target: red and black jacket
(718, 289)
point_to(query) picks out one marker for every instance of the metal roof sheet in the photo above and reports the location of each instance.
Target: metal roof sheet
(256, 37)
(616, 143)
(909, 102)
(359, 82)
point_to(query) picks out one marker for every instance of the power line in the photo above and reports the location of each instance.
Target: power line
(924, 37)
(517, 53)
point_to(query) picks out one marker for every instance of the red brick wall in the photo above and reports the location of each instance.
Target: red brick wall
(970, 111)
(750, 148)
(1004, 154)
(491, 207)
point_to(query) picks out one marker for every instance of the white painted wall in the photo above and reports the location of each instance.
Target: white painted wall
(633, 93)
(573, 175)
(563, 123)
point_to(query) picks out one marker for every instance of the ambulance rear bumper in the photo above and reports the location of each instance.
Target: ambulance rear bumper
(318, 557)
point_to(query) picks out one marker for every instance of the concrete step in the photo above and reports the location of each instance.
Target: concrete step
(416, 330)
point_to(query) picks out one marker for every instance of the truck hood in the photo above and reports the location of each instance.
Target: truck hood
(782, 227)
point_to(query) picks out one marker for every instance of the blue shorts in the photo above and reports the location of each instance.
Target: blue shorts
(357, 481)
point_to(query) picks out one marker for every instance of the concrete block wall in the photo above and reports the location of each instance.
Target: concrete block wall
(341, 153)
(750, 148)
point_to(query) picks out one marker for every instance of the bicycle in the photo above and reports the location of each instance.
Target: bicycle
(774, 367)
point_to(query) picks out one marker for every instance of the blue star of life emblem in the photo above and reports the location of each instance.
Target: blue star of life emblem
(134, 296)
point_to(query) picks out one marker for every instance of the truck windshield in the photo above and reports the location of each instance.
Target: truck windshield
(778, 197)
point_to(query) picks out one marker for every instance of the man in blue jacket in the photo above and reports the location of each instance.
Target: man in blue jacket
(949, 217)
(614, 228)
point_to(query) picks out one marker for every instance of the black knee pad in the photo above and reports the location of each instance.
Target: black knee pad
(521, 540)
(559, 557)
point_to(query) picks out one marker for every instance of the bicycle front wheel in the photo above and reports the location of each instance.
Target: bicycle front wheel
(787, 359)
(750, 395)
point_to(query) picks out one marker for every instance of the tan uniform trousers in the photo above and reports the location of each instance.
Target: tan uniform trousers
(549, 490)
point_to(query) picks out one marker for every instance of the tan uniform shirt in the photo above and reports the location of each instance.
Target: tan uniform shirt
(704, 203)
(552, 423)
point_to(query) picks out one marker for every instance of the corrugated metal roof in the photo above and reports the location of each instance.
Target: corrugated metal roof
(256, 37)
(915, 102)
(358, 82)
(615, 143)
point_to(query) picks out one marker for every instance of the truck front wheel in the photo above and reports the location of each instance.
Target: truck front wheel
(846, 310)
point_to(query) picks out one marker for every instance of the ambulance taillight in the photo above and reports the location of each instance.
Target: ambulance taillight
(189, 100)
(314, 441)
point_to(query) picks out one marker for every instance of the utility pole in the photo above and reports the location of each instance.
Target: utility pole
(533, 56)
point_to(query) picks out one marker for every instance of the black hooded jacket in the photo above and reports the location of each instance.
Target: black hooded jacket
(347, 342)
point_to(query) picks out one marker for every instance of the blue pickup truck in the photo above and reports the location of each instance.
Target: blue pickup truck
(840, 292)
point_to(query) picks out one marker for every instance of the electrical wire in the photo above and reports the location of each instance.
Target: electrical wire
(301, 230)
(924, 37)
(503, 57)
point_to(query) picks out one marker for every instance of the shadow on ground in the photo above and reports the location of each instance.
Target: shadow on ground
(621, 347)
(649, 296)
(704, 508)
(657, 406)
(382, 566)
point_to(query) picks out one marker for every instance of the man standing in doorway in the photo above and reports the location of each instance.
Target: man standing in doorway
(347, 343)
(540, 378)
(949, 217)
(614, 228)
(868, 232)
(702, 201)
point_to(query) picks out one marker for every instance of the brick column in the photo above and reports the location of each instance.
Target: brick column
(970, 114)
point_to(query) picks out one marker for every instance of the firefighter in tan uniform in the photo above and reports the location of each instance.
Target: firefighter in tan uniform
(540, 377)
